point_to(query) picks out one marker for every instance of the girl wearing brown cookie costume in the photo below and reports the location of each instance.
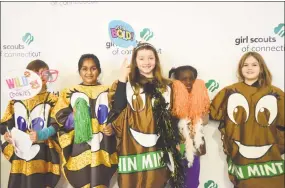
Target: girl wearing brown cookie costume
(251, 113)
(147, 149)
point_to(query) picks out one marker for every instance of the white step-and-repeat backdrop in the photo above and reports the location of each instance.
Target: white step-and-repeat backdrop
(211, 36)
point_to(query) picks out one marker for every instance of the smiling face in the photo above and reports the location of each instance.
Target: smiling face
(248, 129)
(143, 132)
(145, 62)
(187, 78)
(89, 72)
(250, 69)
(252, 128)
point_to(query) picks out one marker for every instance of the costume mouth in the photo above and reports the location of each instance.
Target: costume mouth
(95, 141)
(252, 152)
(146, 140)
(30, 154)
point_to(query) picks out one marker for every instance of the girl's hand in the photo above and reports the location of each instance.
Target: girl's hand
(8, 137)
(125, 71)
(205, 119)
(178, 147)
(33, 136)
(108, 130)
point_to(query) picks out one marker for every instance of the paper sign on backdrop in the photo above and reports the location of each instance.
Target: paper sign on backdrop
(122, 34)
(23, 84)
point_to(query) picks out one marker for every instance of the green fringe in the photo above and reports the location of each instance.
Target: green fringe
(82, 120)
(182, 149)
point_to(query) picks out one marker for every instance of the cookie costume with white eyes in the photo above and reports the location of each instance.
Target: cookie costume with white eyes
(252, 127)
(89, 162)
(142, 144)
(39, 167)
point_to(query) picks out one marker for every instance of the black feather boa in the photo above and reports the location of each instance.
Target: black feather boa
(169, 135)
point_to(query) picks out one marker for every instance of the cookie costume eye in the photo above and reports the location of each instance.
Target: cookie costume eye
(238, 108)
(266, 110)
(101, 108)
(131, 97)
(22, 124)
(77, 95)
(39, 116)
(38, 124)
(21, 115)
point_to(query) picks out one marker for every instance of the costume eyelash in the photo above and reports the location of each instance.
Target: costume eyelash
(275, 94)
(69, 94)
(233, 91)
(50, 102)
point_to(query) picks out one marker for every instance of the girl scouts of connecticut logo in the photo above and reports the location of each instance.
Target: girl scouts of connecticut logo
(146, 34)
(210, 184)
(20, 50)
(279, 30)
(28, 38)
(212, 85)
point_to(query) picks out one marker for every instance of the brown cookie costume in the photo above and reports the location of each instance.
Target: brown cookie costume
(91, 163)
(40, 168)
(140, 148)
(252, 127)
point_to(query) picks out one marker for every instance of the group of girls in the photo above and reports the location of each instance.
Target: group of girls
(146, 127)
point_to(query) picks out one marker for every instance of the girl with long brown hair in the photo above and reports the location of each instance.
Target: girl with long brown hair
(147, 149)
(251, 113)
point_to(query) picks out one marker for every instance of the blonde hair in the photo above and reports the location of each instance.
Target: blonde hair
(264, 78)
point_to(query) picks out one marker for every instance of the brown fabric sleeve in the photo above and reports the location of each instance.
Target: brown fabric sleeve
(218, 106)
(280, 124)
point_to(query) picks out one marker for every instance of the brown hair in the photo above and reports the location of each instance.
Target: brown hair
(36, 65)
(134, 75)
(264, 78)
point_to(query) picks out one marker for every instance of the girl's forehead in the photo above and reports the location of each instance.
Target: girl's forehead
(42, 69)
(185, 72)
(88, 63)
(145, 52)
(250, 59)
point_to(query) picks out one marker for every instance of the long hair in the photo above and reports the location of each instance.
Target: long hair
(264, 78)
(135, 76)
